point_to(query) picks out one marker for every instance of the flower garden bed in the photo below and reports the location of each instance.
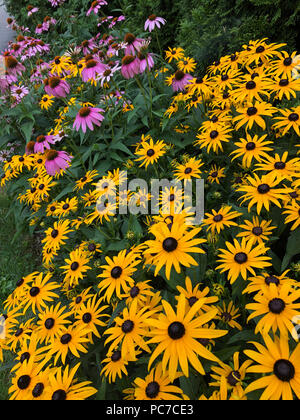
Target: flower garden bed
(130, 302)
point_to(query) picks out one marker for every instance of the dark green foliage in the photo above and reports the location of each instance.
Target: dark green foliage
(207, 29)
(213, 28)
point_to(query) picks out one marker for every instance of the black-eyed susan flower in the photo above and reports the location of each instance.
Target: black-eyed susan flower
(90, 314)
(260, 282)
(239, 258)
(252, 148)
(277, 308)
(117, 274)
(262, 192)
(284, 87)
(188, 170)
(150, 152)
(24, 380)
(39, 293)
(176, 336)
(219, 220)
(258, 231)
(65, 387)
(213, 139)
(293, 215)
(114, 366)
(279, 367)
(172, 247)
(285, 65)
(64, 208)
(235, 374)
(280, 167)
(129, 331)
(157, 386)
(52, 320)
(56, 236)
(77, 301)
(71, 340)
(76, 267)
(176, 53)
(140, 292)
(290, 119)
(228, 315)
(253, 113)
(85, 180)
(46, 102)
(193, 294)
(215, 174)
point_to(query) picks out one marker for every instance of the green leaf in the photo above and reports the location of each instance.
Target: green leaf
(27, 128)
(292, 249)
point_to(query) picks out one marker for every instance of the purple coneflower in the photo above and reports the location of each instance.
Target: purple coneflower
(146, 61)
(12, 66)
(56, 161)
(180, 80)
(88, 116)
(19, 92)
(92, 69)
(29, 150)
(115, 20)
(42, 143)
(133, 44)
(40, 29)
(95, 7)
(130, 66)
(88, 46)
(31, 10)
(153, 21)
(108, 74)
(54, 86)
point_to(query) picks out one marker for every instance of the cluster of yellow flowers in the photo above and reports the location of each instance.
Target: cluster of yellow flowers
(83, 299)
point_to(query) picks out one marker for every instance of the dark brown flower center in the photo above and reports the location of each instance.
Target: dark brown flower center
(59, 395)
(85, 112)
(38, 390)
(51, 155)
(257, 231)
(54, 82)
(272, 280)
(277, 306)
(250, 146)
(176, 330)
(263, 189)
(87, 318)
(170, 244)
(250, 85)
(129, 38)
(284, 370)
(116, 272)
(234, 378)
(179, 75)
(152, 390)
(34, 291)
(127, 326)
(241, 258)
(49, 323)
(128, 59)
(214, 134)
(74, 266)
(65, 339)
(294, 117)
(116, 356)
(24, 382)
(252, 111)
(134, 292)
(218, 218)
